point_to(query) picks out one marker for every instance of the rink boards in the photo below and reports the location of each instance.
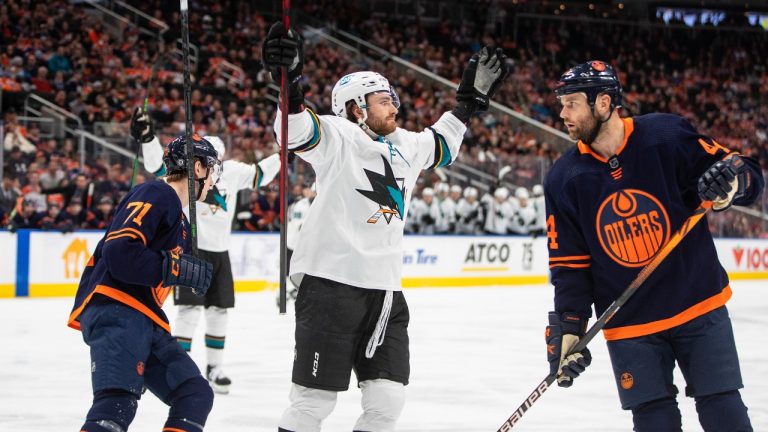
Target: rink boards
(48, 264)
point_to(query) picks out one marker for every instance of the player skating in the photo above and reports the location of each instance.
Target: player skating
(118, 306)
(350, 310)
(612, 201)
(214, 219)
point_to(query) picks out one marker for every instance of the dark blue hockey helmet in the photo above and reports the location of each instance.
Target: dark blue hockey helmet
(593, 78)
(175, 155)
(175, 158)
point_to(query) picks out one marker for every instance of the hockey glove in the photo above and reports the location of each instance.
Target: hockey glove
(562, 334)
(482, 78)
(285, 49)
(141, 126)
(723, 182)
(187, 271)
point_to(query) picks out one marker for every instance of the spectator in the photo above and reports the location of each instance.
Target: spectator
(9, 193)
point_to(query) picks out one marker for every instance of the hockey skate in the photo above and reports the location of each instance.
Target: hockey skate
(219, 382)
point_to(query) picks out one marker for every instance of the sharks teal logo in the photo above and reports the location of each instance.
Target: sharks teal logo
(216, 200)
(387, 192)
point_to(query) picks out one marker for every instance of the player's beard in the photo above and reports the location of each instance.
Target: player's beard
(585, 130)
(381, 127)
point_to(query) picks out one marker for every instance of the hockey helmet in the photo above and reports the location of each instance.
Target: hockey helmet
(357, 85)
(175, 156)
(593, 78)
(218, 145)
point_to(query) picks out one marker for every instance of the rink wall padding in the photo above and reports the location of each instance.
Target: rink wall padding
(48, 264)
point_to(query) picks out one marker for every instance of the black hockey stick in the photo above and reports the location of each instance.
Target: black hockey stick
(188, 128)
(284, 170)
(611, 310)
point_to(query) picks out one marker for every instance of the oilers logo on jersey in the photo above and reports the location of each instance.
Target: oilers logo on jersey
(632, 225)
(387, 191)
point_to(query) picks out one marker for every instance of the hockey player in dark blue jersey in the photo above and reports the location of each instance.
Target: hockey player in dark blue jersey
(118, 306)
(612, 201)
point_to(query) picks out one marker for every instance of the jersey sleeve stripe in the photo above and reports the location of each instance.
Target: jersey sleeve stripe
(257, 178)
(683, 317)
(587, 265)
(442, 152)
(113, 237)
(316, 136)
(571, 258)
(128, 230)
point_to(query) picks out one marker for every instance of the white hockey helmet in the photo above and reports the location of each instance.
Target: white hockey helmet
(521, 193)
(427, 191)
(456, 189)
(470, 192)
(354, 87)
(501, 193)
(218, 145)
(442, 188)
(538, 190)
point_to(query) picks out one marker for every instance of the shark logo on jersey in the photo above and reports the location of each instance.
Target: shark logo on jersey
(216, 199)
(388, 192)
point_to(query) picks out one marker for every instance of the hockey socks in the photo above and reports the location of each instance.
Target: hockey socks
(112, 411)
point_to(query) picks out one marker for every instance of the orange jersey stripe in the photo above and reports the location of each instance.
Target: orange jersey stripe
(76, 313)
(127, 300)
(683, 317)
(169, 429)
(587, 265)
(570, 258)
(113, 237)
(131, 230)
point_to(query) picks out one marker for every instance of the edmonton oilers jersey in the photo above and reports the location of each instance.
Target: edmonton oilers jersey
(127, 264)
(606, 219)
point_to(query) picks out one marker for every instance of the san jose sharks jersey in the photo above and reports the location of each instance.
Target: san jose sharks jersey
(606, 219)
(126, 266)
(353, 232)
(215, 214)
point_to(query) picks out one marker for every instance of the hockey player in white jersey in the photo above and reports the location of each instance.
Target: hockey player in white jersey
(448, 208)
(350, 310)
(537, 200)
(297, 214)
(523, 214)
(446, 219)
(499, 213)
(425, 212)
(469, 213)
(214, 220)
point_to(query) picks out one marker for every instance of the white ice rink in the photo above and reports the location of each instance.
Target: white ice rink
(475, 355)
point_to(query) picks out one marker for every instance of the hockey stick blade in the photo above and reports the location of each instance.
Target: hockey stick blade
(641, 277)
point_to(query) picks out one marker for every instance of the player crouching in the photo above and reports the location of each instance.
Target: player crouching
(118, 306)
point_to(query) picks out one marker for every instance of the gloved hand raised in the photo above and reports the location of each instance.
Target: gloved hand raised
(485, 73)
(285, 49)
(141, 126)
(723, 182)
(187, 271)
(562, 334)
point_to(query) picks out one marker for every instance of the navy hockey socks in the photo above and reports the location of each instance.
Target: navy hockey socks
(112, 411)
(723, 412)
(191, 403)
(658, 415)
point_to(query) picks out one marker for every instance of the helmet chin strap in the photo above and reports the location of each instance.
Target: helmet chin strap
(201, 183)
(364, 126)
(596, 131)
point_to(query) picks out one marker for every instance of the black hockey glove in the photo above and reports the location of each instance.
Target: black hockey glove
(427, 219)
(724, 182)
(562, 334)
(141, 126)
(480, 81)
(187, 271)
(283, 48)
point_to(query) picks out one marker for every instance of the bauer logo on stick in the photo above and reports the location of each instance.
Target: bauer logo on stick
(632, 226)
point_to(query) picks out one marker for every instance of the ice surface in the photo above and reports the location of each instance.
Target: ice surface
(476, 353)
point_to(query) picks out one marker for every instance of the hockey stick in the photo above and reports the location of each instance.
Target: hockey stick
(188, 128)
(155, 66)
(611, 310)
(284, 170)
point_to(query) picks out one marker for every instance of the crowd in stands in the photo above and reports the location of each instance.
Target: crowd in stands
(57, 50)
